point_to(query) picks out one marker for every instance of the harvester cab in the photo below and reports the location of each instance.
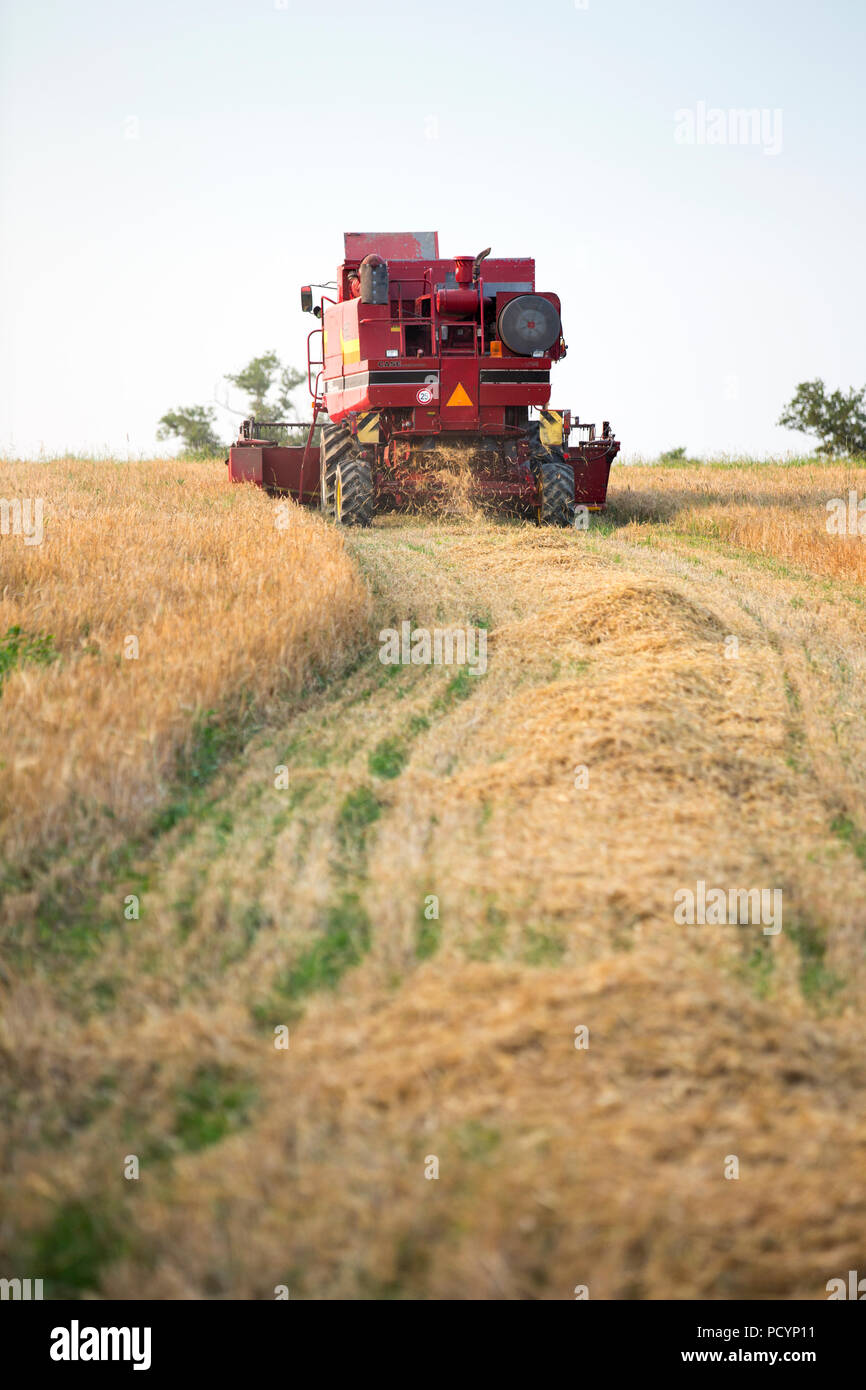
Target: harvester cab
(423, 368)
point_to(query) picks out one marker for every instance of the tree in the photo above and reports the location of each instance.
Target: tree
(268, 387)
(256, 380)
(194, 425)
(838, 420)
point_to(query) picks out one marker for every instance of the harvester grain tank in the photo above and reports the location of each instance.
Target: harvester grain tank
(417, 359)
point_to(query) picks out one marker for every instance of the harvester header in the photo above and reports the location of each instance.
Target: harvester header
(419, 357)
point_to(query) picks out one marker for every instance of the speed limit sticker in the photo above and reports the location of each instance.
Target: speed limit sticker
(424, 396)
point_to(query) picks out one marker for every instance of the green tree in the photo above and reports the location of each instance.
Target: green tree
(194, 426)
(836, 419)
(255, 380)
(268, 386)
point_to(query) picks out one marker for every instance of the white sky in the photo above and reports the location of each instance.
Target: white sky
(700, 283)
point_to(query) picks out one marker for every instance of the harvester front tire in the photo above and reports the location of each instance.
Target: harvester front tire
(555, 479)
(336, 444)
(353, 492)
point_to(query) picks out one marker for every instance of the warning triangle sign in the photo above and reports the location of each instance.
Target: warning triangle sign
(458, 396)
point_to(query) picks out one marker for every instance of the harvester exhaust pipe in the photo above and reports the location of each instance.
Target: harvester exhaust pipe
(476, 264)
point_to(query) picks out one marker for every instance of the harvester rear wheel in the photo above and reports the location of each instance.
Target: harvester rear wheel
(555, 480)
(336, 444)
(353, 491)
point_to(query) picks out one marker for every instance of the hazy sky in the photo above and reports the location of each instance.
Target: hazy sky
(170, 173)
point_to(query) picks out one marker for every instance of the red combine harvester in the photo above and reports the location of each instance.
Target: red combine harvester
(424, 362)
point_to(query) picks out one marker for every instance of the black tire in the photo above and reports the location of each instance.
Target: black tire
(555, 480)
(335, 444)
(353, 491)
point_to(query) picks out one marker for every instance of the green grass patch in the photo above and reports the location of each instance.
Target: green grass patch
(792, 694)
(757, 968)
(490, 941)
(543, 947)
(460, 687)
(214, 738)
(73, 1249)
(216, 1102)
(388, 758)
(19, 648)
(849, 834)
(360, 810)
(816, 981)
(342, 945)
(429, 934)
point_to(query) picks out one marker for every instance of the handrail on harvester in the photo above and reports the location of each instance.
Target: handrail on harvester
(318, 362)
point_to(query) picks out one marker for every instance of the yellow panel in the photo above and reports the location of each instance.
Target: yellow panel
(550, 428)
(351, 348)
(368, 428)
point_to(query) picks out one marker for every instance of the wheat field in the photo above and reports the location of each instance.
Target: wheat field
(364, 981)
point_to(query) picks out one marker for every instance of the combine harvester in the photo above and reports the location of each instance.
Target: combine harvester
(424, 361)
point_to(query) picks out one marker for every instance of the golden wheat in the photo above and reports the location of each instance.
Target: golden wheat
(168, 596)
(777, 511)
